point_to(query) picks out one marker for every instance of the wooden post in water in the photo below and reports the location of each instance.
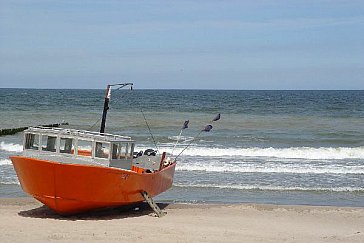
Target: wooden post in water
(11, 131)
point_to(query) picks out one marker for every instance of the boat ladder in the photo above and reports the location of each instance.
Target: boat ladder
(153, 205)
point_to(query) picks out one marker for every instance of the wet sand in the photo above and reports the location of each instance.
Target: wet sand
(24, 220)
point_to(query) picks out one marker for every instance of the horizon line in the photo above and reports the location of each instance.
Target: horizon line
(188, 89)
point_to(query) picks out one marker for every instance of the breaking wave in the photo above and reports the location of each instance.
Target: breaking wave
(181, 138)
(288, 153)
(10, 183)
(5, 162)
(11, 147)
(274, 188)
(278, 168)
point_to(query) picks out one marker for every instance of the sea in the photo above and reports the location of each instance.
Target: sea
(275, 147)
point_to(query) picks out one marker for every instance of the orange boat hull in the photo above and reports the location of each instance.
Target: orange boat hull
(73, 188)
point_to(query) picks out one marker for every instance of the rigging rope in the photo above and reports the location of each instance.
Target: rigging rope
(145, 119)
(117, 98)
(146, 122)
(188, 145)
(95, 123)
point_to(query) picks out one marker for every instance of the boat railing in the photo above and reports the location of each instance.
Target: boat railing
(79, 133)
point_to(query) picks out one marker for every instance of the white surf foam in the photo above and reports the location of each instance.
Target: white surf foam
(322, 153)
(5, 162)
(9, 181)
(272, 168)
(275, 188)
(181, 138)
(11, 147)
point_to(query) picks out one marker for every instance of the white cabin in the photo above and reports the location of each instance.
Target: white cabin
(79, 147)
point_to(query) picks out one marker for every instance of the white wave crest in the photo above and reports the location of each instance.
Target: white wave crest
(11, 147)
(272, 168)
(275, 188)
(5, 162)
(288, 153)
(9, 180)
(181, 138)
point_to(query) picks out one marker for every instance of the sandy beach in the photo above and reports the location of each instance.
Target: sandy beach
(24, 219)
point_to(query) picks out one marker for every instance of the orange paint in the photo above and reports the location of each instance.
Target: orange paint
(83, 152)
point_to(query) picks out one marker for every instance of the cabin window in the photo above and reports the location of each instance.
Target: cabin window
(121, 151)
(32, 141)
(115, 151)
(102, 150)
(84, 148)
(124, 150)
(49, 143)
(67, 146)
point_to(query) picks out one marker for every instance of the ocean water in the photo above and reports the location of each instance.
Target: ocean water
(282, 147)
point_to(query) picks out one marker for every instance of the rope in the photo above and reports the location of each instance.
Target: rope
(146, 122)
(188, 145)
(118, 98)
(175, 145)
(145, 119)
(95, 123)
(121, 97)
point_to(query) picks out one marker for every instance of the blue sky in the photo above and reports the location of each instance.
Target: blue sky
(182, 44)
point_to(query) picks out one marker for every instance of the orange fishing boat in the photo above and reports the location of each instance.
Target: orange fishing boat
(73, 171)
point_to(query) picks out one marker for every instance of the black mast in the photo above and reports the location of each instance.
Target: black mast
(106, 108)
(106, 103)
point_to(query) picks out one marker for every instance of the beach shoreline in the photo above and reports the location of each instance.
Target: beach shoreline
(25, 219)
